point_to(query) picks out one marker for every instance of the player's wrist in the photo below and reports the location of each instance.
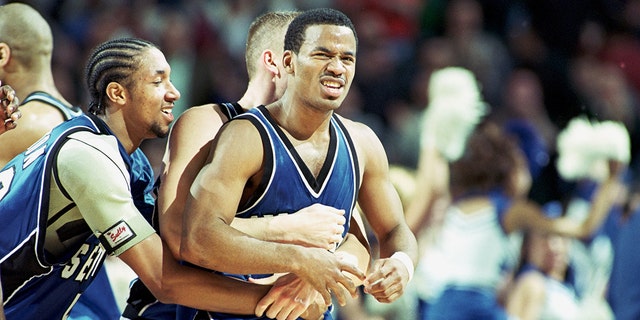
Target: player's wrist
(405, 260)
(277, 230)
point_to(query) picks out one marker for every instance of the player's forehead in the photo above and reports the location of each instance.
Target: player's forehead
(152, 62)
(335, 37)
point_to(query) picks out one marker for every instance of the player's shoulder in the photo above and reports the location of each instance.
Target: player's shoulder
(41, 112)
(210, 113)
(84, 140)
(355, 128)
(84, 151)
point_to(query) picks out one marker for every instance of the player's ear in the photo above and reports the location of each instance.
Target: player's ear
(116, 93)
(5, 54)
(269, 61)
(287, 61)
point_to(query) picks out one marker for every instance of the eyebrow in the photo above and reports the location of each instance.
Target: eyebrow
(324, 49)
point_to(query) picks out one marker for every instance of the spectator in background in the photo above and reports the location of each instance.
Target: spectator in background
(175, 37)
(405, 124)
(607, 95)
(523, 114)
(484, 53)
(624, 283)
(387, 33)
(545, 281)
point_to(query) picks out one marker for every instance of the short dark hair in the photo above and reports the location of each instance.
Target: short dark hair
(295, 33)
(112, 61)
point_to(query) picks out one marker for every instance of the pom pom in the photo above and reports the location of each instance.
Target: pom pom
(615, 140)
(584, 149)
(455, 108)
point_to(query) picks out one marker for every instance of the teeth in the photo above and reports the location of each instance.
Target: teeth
(331, 84)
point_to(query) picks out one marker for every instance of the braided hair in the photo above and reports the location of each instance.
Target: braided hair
(112, 61)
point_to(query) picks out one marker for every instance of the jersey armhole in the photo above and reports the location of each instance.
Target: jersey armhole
(267, 160)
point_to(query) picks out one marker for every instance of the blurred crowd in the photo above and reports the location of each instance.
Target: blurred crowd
(540, 63)
(543, 62)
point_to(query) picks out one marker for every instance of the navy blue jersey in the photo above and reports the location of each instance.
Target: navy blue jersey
(98, 301)
(231, 110)
(288, 185)
(39, 283)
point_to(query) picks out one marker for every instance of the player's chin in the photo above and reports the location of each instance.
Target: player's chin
(160, 131)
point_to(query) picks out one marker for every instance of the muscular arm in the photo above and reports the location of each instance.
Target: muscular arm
(382, 208)
(186, 154)
(379, 200)
(318, 226)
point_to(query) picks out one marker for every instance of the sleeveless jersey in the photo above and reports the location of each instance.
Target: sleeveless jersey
(288, 185)
(98, 301)
(141, 302)
(67, 112)
(37, 285)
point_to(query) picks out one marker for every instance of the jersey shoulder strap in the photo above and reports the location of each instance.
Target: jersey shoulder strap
(231, 110)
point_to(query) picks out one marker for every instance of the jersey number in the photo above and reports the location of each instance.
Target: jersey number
(34, 151)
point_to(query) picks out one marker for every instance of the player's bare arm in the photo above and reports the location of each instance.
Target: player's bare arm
(382, 207)
(187, 151)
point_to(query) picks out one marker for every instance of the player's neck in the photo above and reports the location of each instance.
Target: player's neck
(258, 93)
(300, 123)
(28, 83)
(126, 134)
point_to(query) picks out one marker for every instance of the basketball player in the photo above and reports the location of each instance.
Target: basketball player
(297, 152)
